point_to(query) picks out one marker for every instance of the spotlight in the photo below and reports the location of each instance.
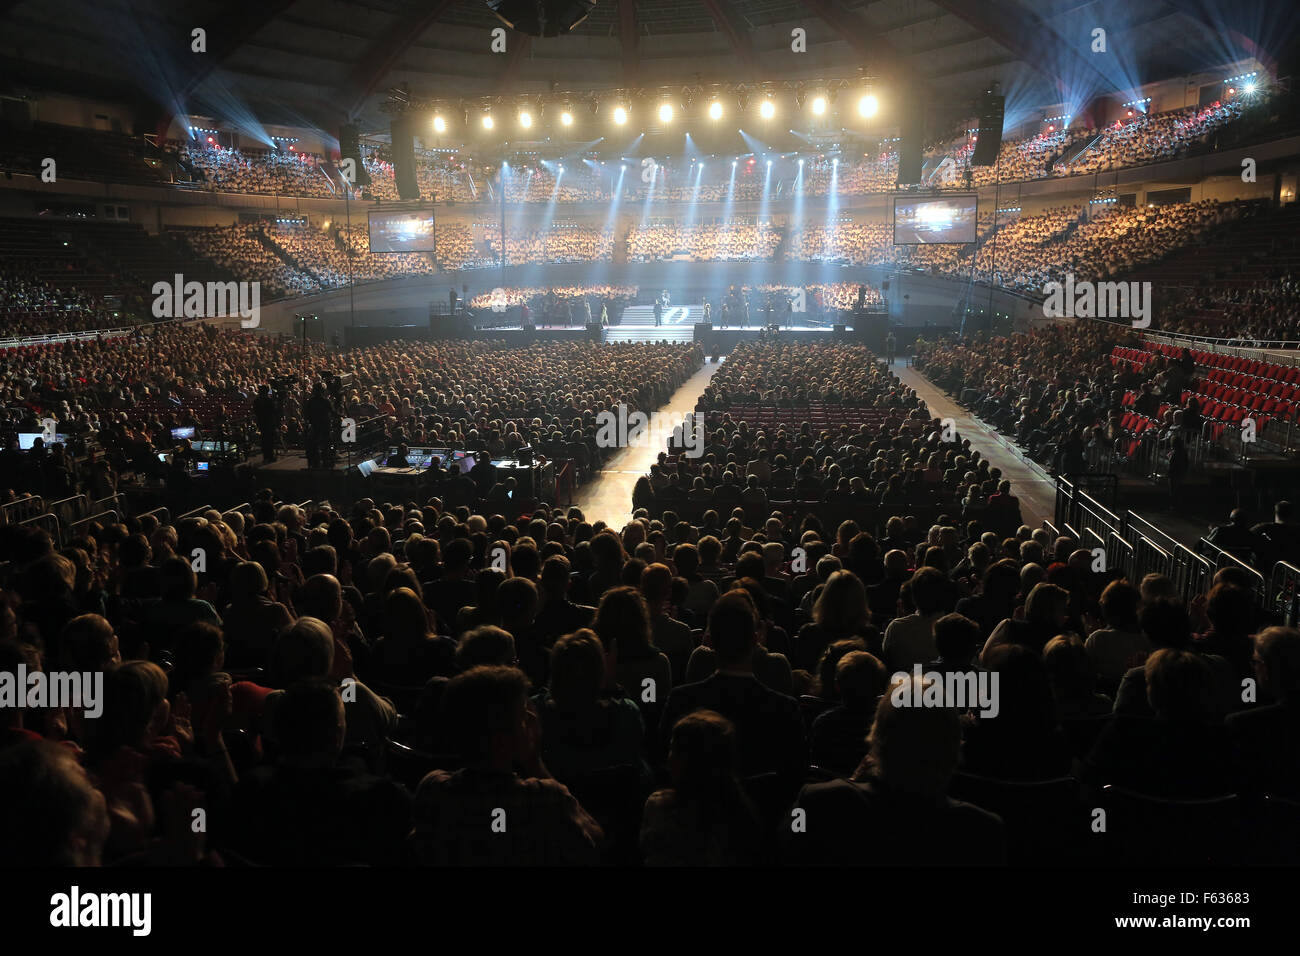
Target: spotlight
(525, 119)
(767, 109)
(620, 115)
(868, 105)
(439, 124)
(487, 121)
(715, 110)
(666, 113)
(566, 118)
(819, 106)
(1249, 87)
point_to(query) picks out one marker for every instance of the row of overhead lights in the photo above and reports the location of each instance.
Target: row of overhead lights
(868, 106)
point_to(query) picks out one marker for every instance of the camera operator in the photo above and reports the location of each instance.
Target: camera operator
(268, 413)
(321, 416)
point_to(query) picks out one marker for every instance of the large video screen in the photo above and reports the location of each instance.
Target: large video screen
(401, 231)
(934, 220)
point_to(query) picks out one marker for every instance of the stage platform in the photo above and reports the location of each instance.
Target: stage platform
(715, 337)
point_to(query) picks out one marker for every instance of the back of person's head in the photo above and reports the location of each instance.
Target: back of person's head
(733, 629)
(1166, 623)
(247, 582)
(303, 650)
(405, 619)
(50, 813)
(895, 562)
(1025, 694)
(1047, 605)
(486, 644)
(1157, 587)
(957, 638)
(842, 607)
(555, 576)
(1119, 605)
(751, 565)
(88, 643)
(622, 622)
(1068, 666)
(177, 578)
(577, 670)
(485, 708)
(830, 659)
(517, 601)
(702, 751)
(860, 679)
(1180, 685)
(310, 723)
(199, 650)
(1277, 652)
(1230, 609)
(914, 750)
(929, 587)
(321, 596)
(134, 705)
(657, 585)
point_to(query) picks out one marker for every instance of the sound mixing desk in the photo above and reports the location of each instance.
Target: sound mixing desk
(533, 480)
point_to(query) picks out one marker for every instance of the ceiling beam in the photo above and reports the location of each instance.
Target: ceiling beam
(867, 41)
(233, 27)
(629, 36)
(1024, 34)
(1202, 13)
(737, 33)
(385, 50)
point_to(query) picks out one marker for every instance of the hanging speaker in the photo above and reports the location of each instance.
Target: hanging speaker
(350, 148)
(911, 126)
(991, 107)
(403, 136)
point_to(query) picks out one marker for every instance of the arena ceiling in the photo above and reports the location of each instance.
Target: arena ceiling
(319, 61)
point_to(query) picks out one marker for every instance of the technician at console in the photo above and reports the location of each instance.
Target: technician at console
(399, 459)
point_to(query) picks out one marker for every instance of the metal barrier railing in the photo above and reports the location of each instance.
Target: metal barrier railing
(1284, 593)
(75, 528)
(1149, 558)
(1226, 559)
(1191, 573)
(1137, 547)
(48, 522)
(195, 512)
(162, 514)
(16, 512)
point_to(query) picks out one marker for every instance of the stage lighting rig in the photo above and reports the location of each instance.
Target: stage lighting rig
(541, 18)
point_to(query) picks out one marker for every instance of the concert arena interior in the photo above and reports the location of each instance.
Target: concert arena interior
(651, 433)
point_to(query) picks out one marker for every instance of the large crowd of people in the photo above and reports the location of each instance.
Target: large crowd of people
(715, 242)
(1135, 139)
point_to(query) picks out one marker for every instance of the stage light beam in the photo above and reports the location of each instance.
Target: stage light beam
(868, 106)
